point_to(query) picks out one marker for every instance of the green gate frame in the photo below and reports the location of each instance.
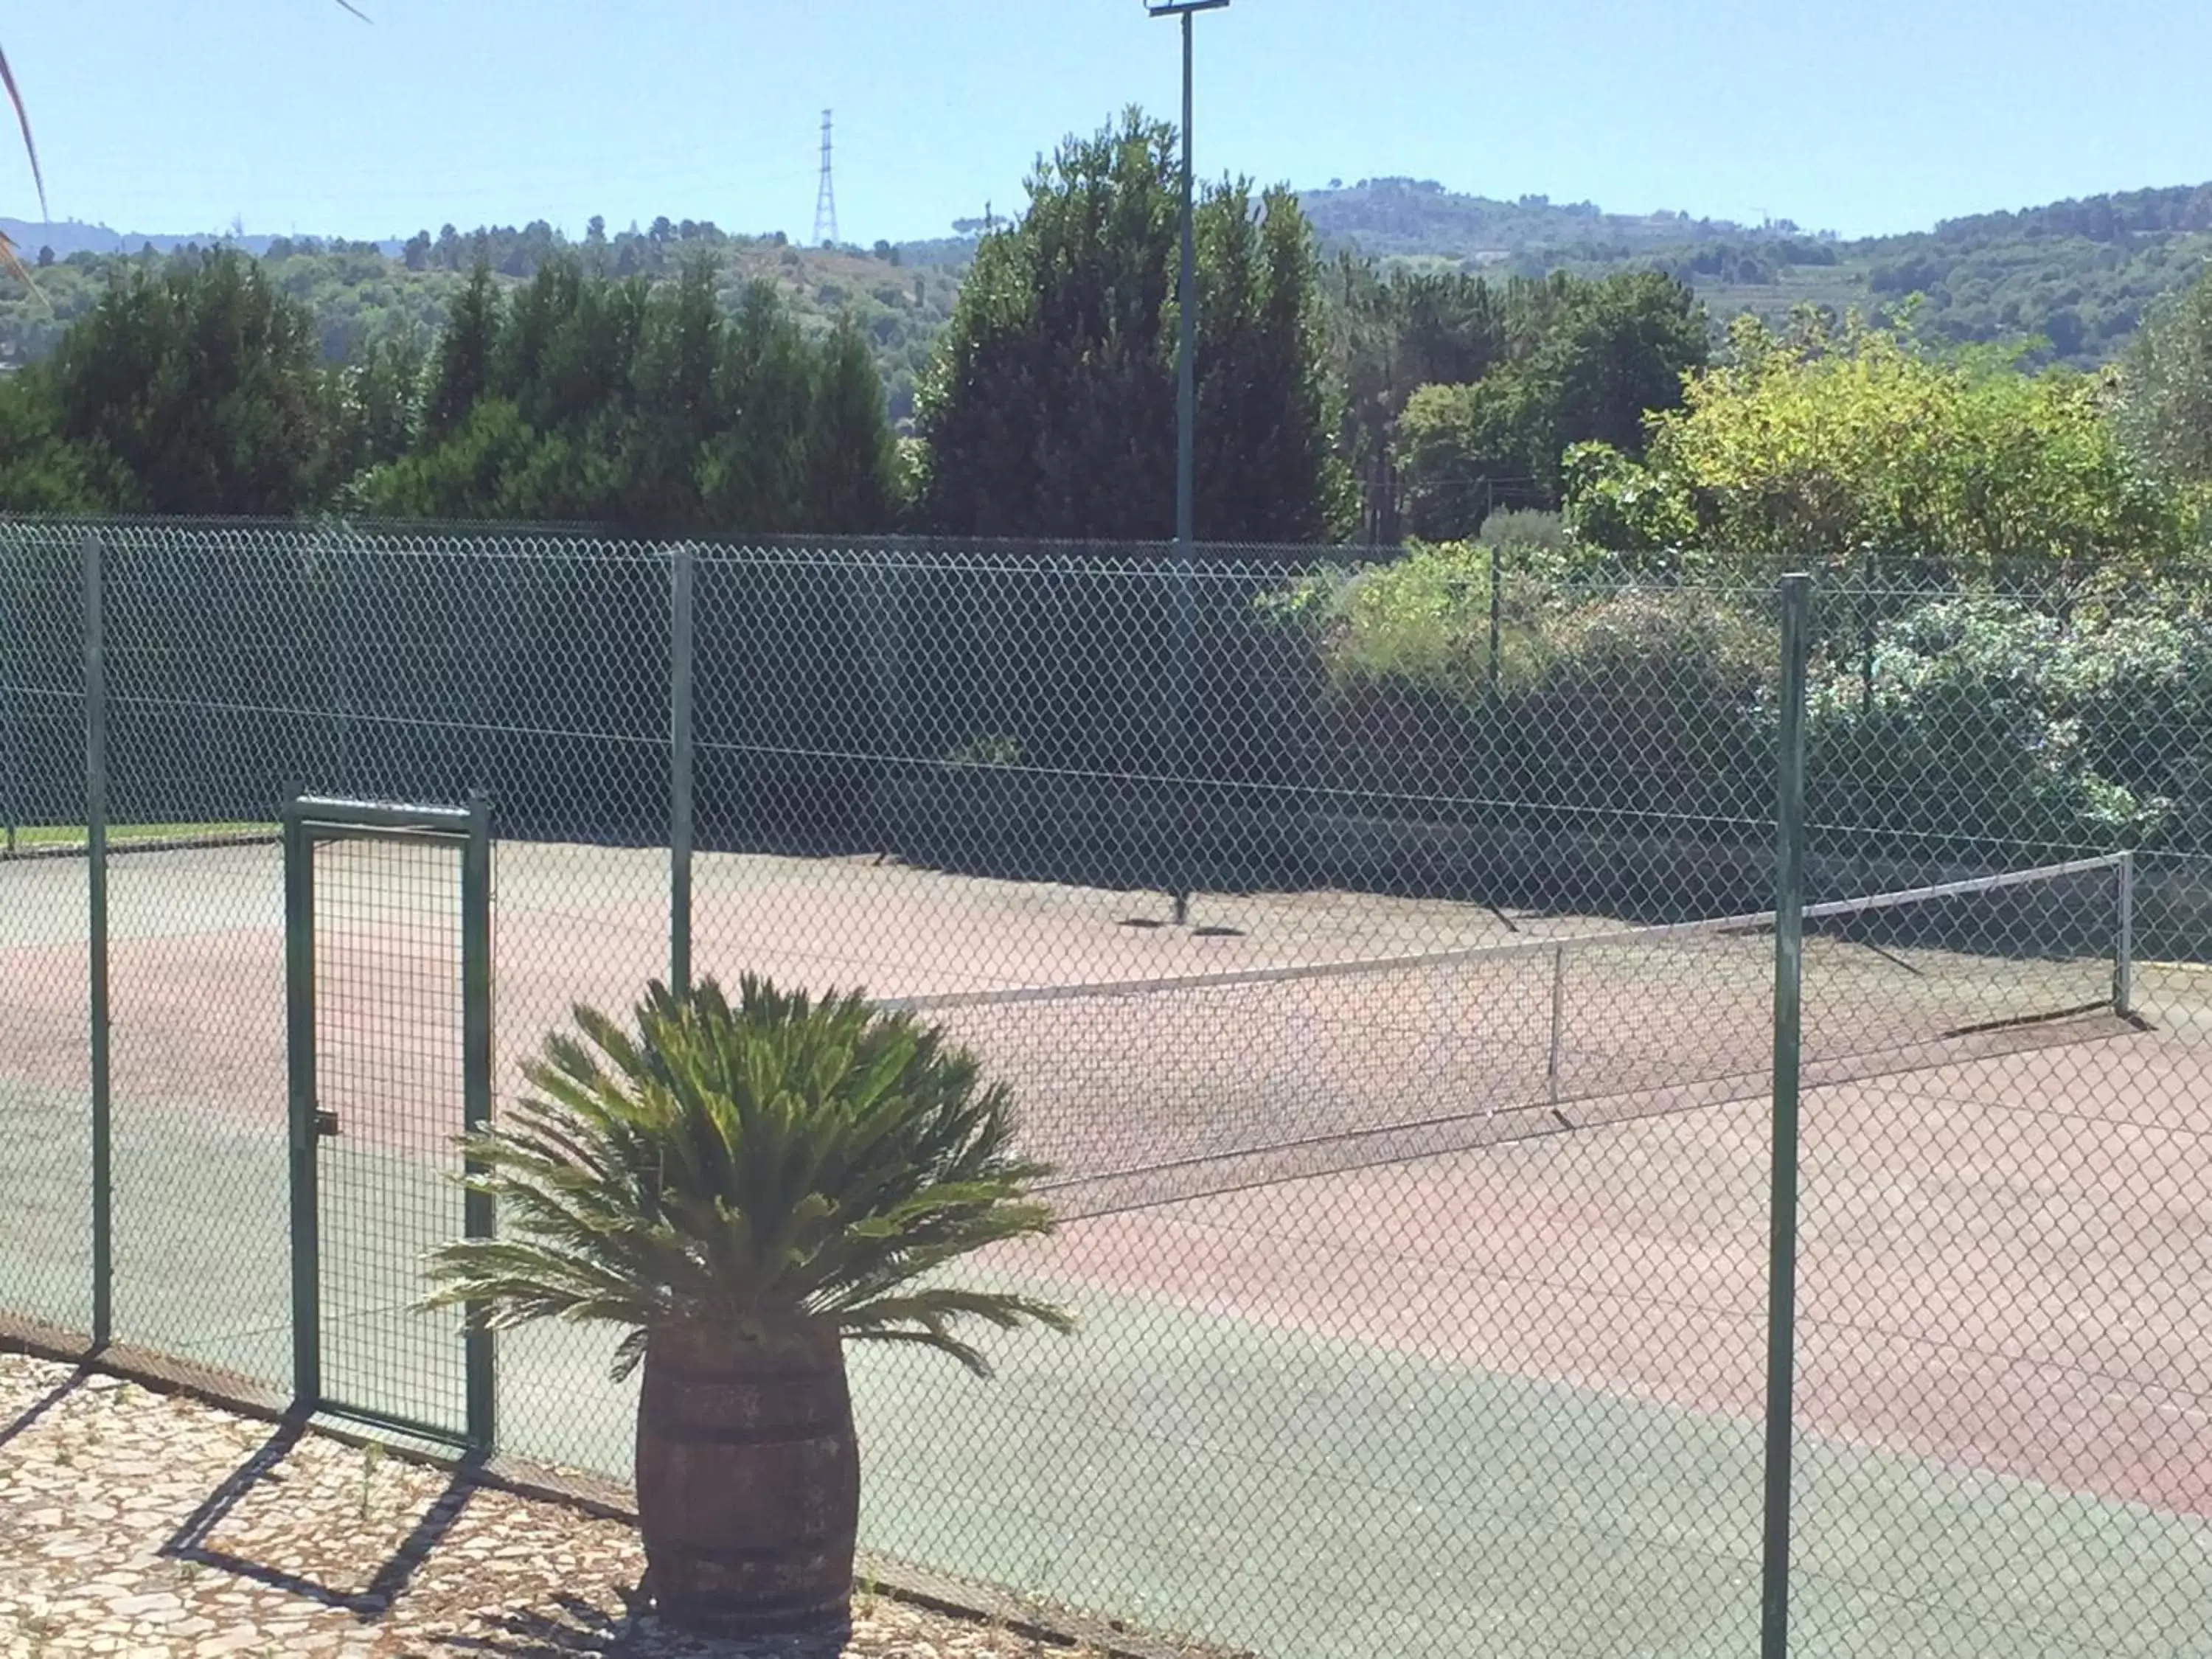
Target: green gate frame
(309, 821)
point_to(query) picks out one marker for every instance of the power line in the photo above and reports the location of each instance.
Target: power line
(825, 200)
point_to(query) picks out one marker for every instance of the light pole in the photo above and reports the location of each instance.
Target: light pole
(1186, 294)
(1186, 434)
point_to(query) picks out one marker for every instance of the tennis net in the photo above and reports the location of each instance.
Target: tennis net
(1144, 1092)
(73, 840)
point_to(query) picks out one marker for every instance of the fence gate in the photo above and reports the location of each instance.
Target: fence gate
(387, 932)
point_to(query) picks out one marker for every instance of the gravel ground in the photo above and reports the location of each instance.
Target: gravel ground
(135, 1522)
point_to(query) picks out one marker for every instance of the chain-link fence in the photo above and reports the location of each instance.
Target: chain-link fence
(1385, 952)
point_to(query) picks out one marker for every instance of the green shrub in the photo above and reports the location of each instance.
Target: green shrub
(1423, 620)
(1605, 699)
(1515, 529)
(1651, 701)
(1987, 719)
(1981, 720)
(1615, 505)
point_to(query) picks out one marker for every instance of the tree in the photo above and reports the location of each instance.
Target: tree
(850, 458)
(1587, 362)
(416, 254)
(743, 1188)
(1455, 443)
(1617, 349)
(1050, 407)
(373, 405)
(582, 397)
(203, 386)
(461, 370)
(675, 404)
(2165, 404)
(1265, 466)
(1390, 335)
(41, 471)
(1852, 448)
(753, 473)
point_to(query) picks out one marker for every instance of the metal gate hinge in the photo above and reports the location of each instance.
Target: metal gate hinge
(327, 1122)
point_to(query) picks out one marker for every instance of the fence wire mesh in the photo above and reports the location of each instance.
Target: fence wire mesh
(387, 991)
(1381, 950)
(45, 1086)
(2002, 1284)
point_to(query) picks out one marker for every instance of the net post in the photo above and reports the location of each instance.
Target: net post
(95, 837)
(682, 576)
(1789, 985)
(478, 1221)
(1559, 1020)
(300, 1075)
(2124, 953)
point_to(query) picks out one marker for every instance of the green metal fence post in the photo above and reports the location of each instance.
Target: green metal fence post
(681, 598)
(1181, 767)
(339, 586)
(1497, 619)
(478, 1220)
(95, 834)
(1789, 985)
(13, 764)
(1558, 1021)
(2124, 951)
(300, 1072)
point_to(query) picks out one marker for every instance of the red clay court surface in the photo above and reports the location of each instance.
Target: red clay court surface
(2002, 1264)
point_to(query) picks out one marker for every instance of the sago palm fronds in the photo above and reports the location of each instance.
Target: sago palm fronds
(777, 1163)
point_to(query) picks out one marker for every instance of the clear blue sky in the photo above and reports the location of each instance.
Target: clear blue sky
(176, 115)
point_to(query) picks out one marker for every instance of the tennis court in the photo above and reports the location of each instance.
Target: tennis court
(1278, 1026)
(1421, 1248)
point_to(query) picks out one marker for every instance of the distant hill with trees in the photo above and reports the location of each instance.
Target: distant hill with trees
(2077, 273)
(198, 387)
(1419, 218)
(362, 293)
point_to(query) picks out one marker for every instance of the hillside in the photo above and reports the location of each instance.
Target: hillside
(1401, 218)
(363, 290)
(2077, 273)
(68, 236)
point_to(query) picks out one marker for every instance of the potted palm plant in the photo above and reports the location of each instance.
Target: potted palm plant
(744, 1186)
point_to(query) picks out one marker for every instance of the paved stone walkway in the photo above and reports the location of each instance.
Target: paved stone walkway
(138, 1523)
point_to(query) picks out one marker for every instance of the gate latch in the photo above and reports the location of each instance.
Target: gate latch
(326, 1121)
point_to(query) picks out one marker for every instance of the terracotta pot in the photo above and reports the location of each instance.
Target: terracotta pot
(748, 1480)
